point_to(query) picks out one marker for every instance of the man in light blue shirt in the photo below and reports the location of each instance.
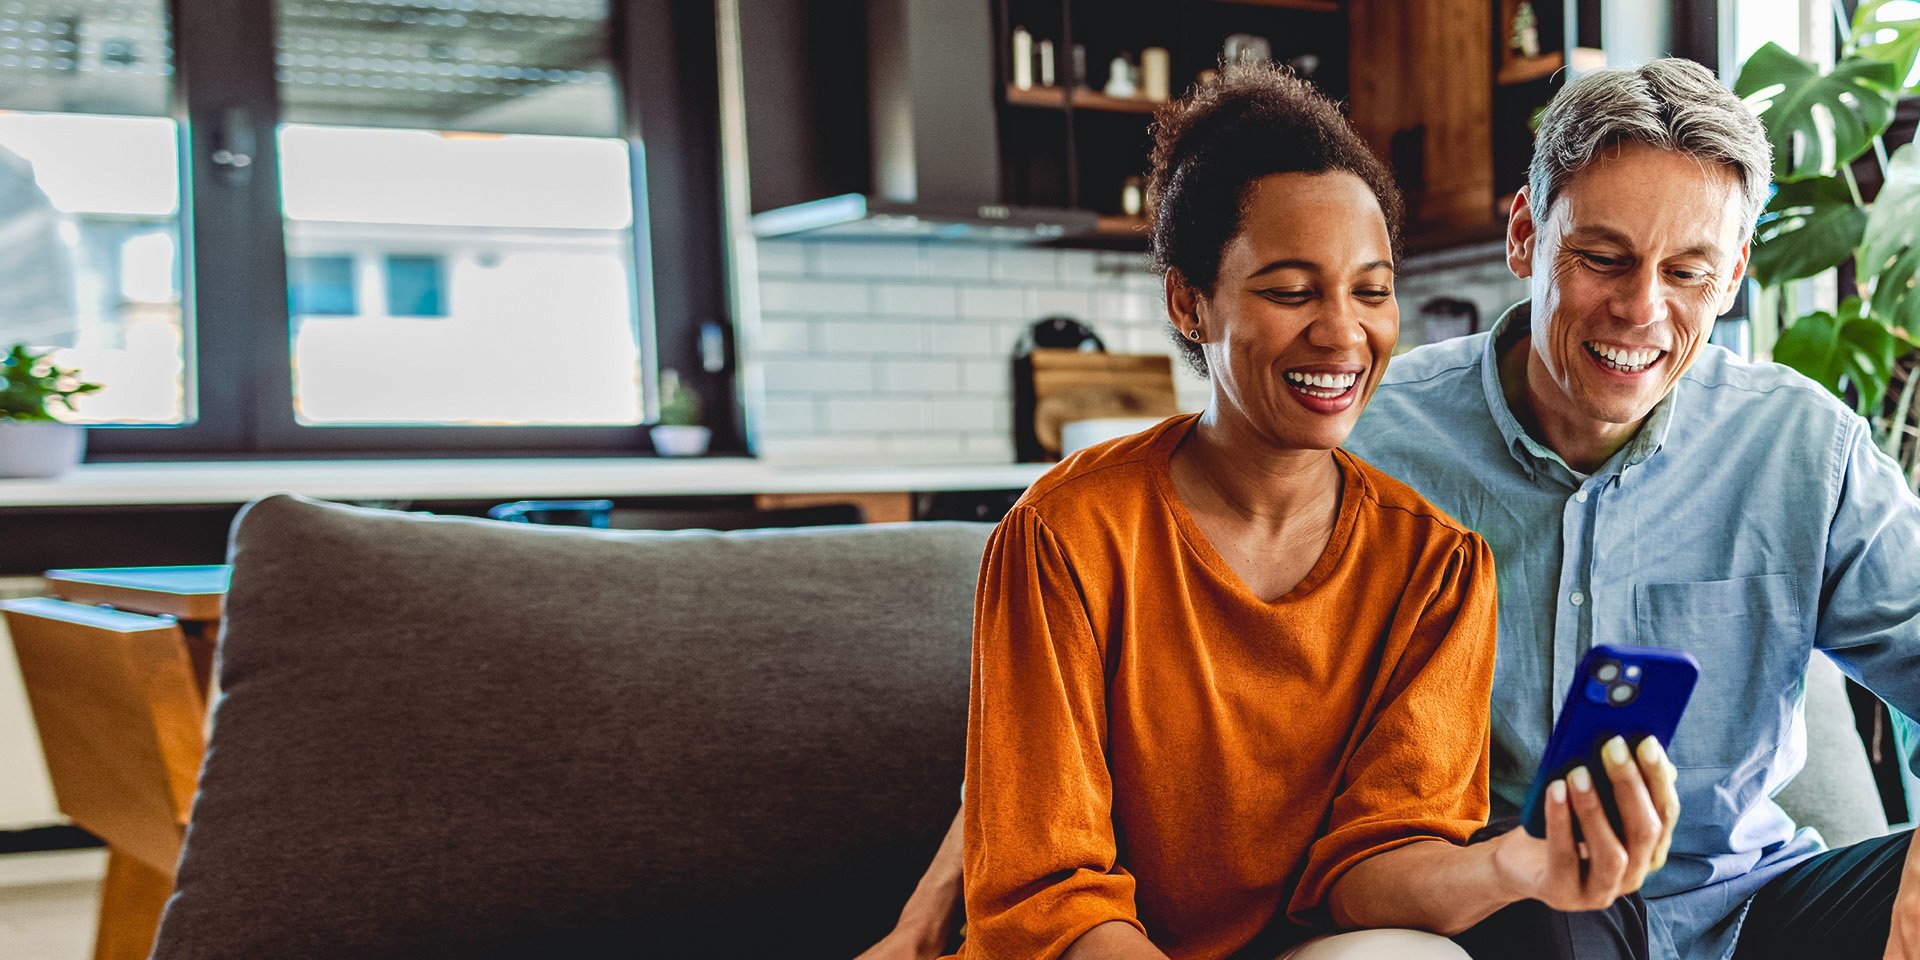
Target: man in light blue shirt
(1640, 486)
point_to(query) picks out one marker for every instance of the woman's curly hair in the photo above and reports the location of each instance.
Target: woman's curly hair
(1209, 148)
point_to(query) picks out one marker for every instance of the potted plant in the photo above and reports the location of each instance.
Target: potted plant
(32, 442)
(1823, 124)
(679, 432)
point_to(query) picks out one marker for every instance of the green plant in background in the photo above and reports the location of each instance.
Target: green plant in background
(679, 405)
(30, 385)
(1820, 123)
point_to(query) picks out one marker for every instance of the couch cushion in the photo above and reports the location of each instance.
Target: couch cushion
(452, 737)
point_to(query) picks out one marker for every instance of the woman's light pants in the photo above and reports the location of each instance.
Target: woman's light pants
(1377, 945)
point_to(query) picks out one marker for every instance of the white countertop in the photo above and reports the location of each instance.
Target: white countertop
(117, 484)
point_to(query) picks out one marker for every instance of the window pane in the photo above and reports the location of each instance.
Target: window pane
(413, 287)
(90, 201)
(497, 66)
(462, 158)
(320, 286)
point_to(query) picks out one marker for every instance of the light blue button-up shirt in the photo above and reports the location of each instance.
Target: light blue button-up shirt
(1749, 521)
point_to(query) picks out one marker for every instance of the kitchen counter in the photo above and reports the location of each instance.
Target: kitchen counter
(131, 484)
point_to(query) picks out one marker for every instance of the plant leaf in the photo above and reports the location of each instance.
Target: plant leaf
(1817, 122)
(1901, 48)
(1890, 248)
(1808, 227)
(1896, 301)
(1851, 350)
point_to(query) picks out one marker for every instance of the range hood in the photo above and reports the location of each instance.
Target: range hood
(926, 161)
(862, 217)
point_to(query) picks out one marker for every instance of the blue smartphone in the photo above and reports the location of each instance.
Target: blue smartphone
(1628, 692)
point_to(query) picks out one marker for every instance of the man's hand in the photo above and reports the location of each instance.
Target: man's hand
(1903, 941)
(1615, 863)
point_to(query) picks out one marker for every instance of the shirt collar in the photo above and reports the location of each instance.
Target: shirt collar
(1516, 323)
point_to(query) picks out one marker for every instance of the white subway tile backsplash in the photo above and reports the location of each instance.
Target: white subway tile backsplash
(873, 414)
(817, 375)
(1073, 303)
(895, 336)
(992, 302)
(968, 414)
(790, 416)
(781, 258)
(821, 450)
(925, 447)
(920, 376)
(957, 261)
(919, 300)
(956, 338)
(1022, 263)
(1115, 263)
(1121, 305)
(986, 376)
(888, 259)
(779, 336)
(995, 447)
(901, 352)
(814, 297)
(1079, 267)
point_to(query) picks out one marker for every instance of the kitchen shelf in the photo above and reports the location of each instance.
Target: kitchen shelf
(1515, 70)
(1314, 6)
(1055, 98)
(1121, 226)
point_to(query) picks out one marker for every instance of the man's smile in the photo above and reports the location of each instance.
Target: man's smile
(1624, 360)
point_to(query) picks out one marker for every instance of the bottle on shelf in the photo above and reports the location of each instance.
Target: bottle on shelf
(1022, 59)
(1156, 74)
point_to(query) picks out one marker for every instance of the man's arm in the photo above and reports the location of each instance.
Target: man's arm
(927, 921)
(1870, 618)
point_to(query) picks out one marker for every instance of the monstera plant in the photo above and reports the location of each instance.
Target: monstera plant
(1821, 124)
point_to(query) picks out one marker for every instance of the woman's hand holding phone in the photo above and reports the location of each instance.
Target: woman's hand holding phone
(1615, 862)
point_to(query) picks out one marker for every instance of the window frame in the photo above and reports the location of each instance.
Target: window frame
(231, 226)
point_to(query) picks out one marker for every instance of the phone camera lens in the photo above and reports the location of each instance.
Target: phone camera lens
(1621, 694)
(1608, 672)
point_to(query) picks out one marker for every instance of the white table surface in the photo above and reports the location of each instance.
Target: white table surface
(118, 484)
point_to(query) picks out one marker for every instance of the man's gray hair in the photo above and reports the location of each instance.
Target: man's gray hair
(1671, 104)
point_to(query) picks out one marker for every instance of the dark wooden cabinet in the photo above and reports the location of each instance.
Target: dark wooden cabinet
(1072, 144)
(1436, 87)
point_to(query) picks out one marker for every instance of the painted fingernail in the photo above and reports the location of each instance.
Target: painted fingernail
(1673, 773)
(1650, 751)
(1557, 791)
(1581, 779)
(1615, 752)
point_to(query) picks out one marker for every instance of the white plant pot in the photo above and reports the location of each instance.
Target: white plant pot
(680, 441)
(39, 448)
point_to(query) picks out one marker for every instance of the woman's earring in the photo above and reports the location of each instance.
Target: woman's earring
(1194, 335)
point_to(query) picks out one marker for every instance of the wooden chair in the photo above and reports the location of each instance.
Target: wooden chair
(120, 699)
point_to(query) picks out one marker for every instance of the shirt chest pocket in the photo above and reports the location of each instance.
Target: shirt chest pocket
(1743, 632)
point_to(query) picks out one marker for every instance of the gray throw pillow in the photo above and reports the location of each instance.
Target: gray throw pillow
(443, 737)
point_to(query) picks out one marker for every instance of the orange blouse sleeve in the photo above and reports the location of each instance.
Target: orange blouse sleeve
(1421, 771)
(1038, 833)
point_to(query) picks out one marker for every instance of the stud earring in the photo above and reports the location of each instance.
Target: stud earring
(1194, 335)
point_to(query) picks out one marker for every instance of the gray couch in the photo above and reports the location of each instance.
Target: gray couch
(454, 738)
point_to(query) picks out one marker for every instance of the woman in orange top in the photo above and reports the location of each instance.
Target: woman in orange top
(1230, 684)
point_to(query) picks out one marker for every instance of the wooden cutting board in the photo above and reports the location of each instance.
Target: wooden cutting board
(1053, 387)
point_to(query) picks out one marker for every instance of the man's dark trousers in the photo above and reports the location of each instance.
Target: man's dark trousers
(1835, 905)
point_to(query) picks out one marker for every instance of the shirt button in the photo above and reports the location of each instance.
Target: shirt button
(1578, 598)
(1581, 496)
